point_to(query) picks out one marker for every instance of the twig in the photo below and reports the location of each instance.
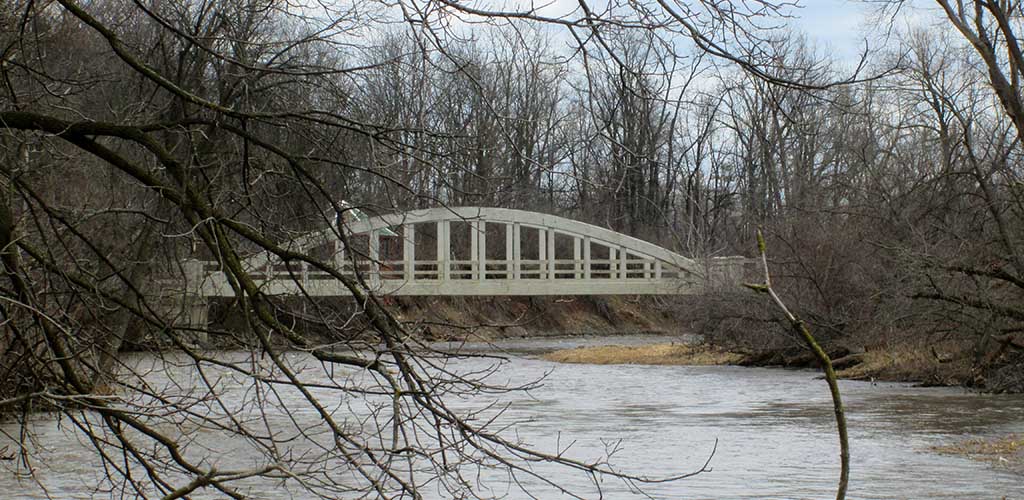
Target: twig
(800, 328)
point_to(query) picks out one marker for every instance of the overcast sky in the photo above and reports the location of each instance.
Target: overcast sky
(835, 23)
(837, 26)
(843, 25)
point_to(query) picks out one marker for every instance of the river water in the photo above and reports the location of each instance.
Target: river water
(771, 432)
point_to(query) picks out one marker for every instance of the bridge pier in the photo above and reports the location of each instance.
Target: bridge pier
(193, 311)
(197, 317)
(339, 256)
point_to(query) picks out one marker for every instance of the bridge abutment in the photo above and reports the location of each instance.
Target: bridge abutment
(194, 308)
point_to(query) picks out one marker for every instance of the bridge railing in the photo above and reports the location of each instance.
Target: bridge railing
(467, 270)
(566, 257)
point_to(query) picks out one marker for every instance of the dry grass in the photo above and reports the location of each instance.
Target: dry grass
(911, 363)
(654, 354)
(1006, 451)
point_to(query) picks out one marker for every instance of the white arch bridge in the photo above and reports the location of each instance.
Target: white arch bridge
(477, 251)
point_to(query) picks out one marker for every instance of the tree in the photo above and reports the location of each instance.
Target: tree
(965, 256)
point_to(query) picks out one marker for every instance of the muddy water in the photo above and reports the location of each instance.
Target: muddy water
(773, 429)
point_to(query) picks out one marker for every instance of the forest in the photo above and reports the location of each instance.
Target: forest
(136, 134)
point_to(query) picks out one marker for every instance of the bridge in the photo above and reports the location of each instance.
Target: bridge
(475, 251)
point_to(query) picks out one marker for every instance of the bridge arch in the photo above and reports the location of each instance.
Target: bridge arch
(629, 265)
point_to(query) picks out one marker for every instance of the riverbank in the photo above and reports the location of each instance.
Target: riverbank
(654, 354)
(476, 318)
(927, 366)
(748, 343)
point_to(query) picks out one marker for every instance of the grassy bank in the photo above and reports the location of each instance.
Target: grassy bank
(654, 354)
(919, 364)
(733, 338)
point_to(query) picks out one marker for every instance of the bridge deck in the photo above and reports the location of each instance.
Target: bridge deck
(604, 280)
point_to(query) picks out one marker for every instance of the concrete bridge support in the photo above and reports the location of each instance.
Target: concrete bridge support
(194, 308)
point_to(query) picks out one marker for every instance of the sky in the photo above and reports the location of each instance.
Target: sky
(839, 27)
(842, 26)
(837, 30)
(837, 24)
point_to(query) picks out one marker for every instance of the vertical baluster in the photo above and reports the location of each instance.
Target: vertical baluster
(542, 252)
(611, 262)
(623, 271)
(481, 256)
(551, 254)
(374, 257)
(409, 251)
(517, 250)
(474, 248)
(508, 251)
(586, 257)
(440, 250)
(444, 249)
(576, 257)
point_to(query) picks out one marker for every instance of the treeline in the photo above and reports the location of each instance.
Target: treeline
(892, 203)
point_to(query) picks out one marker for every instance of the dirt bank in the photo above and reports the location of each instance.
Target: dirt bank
(475, 318)
(489, 318)
(748, 343)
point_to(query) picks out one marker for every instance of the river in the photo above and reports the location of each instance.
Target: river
(774, 431)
